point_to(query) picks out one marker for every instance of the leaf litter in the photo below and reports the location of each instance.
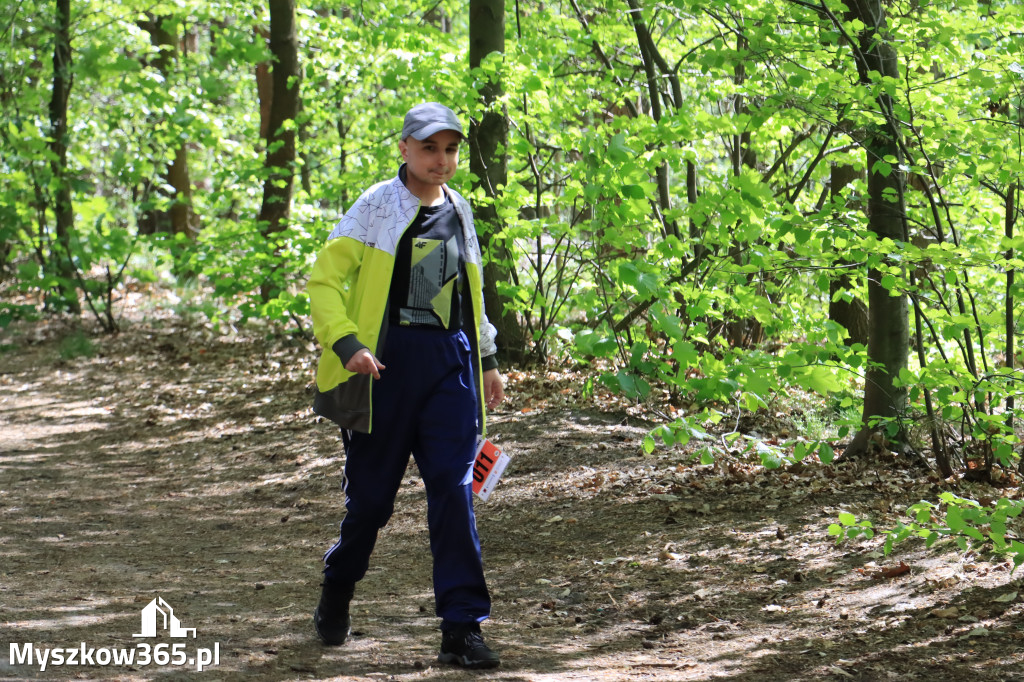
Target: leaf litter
(180, 462)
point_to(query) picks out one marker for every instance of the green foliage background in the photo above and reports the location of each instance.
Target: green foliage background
(718, 293)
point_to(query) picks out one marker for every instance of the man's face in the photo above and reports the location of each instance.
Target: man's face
(431, 162)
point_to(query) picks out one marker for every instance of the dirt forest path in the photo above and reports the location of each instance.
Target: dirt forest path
(176, 464)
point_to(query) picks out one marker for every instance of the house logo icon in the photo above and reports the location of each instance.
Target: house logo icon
(159, 612)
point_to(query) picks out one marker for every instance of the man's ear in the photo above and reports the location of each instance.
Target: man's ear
(403, 147)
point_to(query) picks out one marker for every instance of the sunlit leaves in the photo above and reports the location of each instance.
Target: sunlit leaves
(607, 268)
(968, 523)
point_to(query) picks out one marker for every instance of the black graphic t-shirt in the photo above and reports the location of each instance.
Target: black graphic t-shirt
(426, 288)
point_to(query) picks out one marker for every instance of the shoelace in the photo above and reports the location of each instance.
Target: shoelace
(474, 640)
(468, 641)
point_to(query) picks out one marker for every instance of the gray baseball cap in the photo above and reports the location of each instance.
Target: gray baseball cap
(423, 120)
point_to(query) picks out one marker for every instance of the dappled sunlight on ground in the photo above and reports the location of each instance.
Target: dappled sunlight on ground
(206, 481)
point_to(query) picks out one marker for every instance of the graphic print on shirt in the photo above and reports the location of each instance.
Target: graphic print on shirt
(432, 279)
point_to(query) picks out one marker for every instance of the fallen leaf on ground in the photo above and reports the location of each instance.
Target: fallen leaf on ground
(950, 612)
(894, 571)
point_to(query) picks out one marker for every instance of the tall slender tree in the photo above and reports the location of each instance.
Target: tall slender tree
(844, 308)
(280, 134)
(63, 209)
(488, 138)
(888, 320)
(179, 218)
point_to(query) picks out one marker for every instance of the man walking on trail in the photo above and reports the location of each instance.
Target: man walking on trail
(408, 367)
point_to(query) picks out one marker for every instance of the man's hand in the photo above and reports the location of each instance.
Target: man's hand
(494, 389)
(364, 362)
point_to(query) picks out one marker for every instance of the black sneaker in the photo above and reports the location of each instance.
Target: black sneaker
(331, 618)
(465, 646)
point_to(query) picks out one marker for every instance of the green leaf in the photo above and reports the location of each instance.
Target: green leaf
(589, 342)
(759, 383)
(633, 192)
(973, 533)
(825, 453)
(954, 519)
(632, 387)
(648, 444)
(533, 83)
(819, 379)
(752, 401)
(770, 457)
(618, 151)
(882, 168)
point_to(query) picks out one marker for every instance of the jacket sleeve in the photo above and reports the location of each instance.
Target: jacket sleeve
(333, 276)
(488, 334)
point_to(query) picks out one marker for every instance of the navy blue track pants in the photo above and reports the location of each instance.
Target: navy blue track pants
(425, 404)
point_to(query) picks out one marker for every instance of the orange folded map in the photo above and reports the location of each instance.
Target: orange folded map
(487, 470)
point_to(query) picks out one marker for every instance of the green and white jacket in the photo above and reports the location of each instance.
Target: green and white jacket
(348, 296)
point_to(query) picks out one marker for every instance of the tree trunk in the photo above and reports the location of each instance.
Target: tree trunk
(179, 218)
(1012, 196)
(62, 206)
(437, 18)
(650, 60)
(488, 162)
(743, 332)
(280, 137)
(264, 89)
(851, 313)
(888, 322)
